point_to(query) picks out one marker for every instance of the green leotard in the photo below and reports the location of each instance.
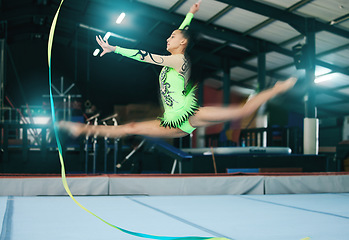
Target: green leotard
(178, 101)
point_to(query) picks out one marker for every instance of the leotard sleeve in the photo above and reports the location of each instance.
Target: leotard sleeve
(174, 61)
(186, 22)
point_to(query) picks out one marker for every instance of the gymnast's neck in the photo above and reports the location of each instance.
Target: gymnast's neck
(176, 51)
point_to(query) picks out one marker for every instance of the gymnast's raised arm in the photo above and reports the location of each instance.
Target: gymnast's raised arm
(186, 22)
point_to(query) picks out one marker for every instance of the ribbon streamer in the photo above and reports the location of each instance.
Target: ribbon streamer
(64, 180)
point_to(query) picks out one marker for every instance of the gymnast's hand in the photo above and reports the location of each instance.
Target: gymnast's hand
(104, 45)
(195, 7)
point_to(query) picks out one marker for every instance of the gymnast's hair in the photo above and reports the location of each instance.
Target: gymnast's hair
(188, 35)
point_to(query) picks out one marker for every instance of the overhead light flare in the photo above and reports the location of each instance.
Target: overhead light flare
(120, 18)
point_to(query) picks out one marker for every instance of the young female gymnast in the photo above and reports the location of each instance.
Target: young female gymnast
(182, 114)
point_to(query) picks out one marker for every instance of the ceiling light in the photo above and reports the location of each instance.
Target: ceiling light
(96, 52)
(106, 36)
(120, 18)
(239, 47)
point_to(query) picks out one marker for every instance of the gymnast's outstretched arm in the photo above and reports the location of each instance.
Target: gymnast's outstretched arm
(174, 61)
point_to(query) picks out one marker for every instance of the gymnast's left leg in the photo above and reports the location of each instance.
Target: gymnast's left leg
(207, 116)
(146, 128)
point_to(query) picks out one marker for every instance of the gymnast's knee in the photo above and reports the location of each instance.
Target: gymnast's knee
(131, 129)
(181, 134)
(244, 111)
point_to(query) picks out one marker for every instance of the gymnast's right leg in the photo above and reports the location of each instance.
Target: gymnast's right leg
(146, 128)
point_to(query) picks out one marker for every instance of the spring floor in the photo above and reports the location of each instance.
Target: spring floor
(250, 217)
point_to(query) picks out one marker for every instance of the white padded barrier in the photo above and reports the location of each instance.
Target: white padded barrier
(307, 184)
(175, 185)
(186, 185)
(36, 186)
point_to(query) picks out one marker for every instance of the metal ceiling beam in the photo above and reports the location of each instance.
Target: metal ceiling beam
(334, 68)
(318, 62)
(271, 20)
(268, 11)
(332, 93)
(294, 39)
(220, 14)
(270, 73)
(333, 50)
(258, 26)
(310, 66)
(205, 55)
(298, 5)
(172, 9)
(340, 19)
(297, 21)
(176, 5)
(279, 49)
(340, 88)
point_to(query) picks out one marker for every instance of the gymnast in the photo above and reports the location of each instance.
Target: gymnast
(182, 115)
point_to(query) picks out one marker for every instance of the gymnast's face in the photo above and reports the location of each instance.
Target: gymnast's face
(176, 43)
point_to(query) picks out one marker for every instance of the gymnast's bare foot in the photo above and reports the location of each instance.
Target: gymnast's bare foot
(73, 128)
(283, 86)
